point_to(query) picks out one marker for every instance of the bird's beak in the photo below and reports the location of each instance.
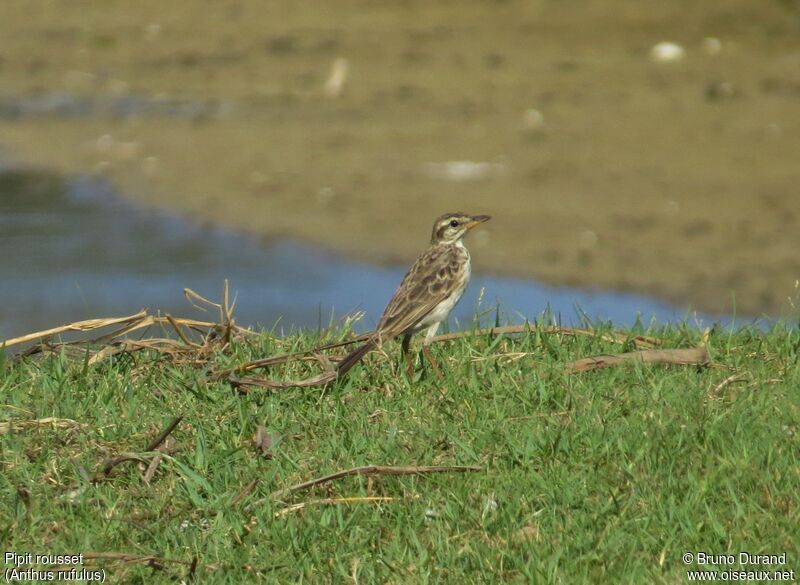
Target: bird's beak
(477, 219)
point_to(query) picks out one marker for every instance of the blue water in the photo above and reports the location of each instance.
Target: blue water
(73, 250)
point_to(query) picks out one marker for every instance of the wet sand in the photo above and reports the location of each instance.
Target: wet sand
(678, 180)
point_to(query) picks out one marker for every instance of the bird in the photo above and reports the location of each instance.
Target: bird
(428, 292)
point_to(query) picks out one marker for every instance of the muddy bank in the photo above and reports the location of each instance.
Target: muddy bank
(340, 125)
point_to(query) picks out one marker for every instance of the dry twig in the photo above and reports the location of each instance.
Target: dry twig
(161, 450)
(244, 492)
(151, 446)
(110, 463)
(730, 380)
(686, 357)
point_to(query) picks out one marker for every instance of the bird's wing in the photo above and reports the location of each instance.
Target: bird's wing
(436, 275)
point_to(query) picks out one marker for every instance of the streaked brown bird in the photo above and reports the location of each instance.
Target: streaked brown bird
(427, 294)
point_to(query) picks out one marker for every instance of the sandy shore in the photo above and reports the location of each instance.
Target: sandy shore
(601, 167)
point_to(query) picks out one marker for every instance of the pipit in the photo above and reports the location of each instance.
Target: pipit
(427, 294)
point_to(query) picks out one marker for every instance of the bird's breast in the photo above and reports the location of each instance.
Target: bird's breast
(459, 271)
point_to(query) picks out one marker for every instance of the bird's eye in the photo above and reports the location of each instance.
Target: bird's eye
(454, 223)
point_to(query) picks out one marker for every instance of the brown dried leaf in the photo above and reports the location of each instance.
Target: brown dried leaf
(265, 441)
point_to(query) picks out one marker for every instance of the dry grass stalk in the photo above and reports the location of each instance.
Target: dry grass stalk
(131, 558)
(213, 336)
(301, 355)
(51, 421)
(159, 563)
(374, 470)
(640, 341)
(332, 501)
(326, 377)
(78, 326)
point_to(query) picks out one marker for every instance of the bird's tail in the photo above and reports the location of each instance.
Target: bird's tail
(354, 357)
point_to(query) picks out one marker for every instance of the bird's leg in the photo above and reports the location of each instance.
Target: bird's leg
(407, 355)
(426, 350)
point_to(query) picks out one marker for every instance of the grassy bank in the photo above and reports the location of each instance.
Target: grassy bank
(607, 475)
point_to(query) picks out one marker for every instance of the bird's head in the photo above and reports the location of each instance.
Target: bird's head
(451, 227)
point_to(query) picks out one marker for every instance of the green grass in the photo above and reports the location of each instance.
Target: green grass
(605, 476)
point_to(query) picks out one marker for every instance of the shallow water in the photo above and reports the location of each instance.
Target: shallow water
(74, 250)
(65, 105)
